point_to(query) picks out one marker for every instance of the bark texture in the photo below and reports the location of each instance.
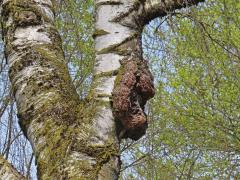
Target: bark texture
(7, 171)
(73, 139)
(70, 138)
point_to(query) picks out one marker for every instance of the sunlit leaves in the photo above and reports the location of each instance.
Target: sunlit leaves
(75, 24)
(195, 127)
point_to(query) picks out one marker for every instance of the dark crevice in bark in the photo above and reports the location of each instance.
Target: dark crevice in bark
(110, 2)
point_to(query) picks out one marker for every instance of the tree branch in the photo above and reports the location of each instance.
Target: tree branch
(159, 8)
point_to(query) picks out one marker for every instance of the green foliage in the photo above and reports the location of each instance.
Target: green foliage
(195, 129)
(75, 24)
(204, 86)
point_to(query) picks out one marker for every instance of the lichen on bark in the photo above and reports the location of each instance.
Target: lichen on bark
(8, 172)
(60, 127)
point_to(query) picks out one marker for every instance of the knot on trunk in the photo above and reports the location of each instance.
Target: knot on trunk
(133, 87)
(26, 18)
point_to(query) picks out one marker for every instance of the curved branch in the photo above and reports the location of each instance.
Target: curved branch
(159, 8)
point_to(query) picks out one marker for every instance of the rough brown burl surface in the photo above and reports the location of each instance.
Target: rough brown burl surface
(133, 87)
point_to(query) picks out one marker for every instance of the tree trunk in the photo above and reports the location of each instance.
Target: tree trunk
(73, 139)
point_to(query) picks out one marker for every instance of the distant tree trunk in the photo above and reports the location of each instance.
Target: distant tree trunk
(73, 139)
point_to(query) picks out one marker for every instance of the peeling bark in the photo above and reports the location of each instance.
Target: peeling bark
(73, 139)
(8, 172)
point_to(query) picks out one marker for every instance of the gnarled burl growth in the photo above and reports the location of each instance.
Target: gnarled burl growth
(132, 90)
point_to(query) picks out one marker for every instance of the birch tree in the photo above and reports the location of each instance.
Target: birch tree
(74, 139)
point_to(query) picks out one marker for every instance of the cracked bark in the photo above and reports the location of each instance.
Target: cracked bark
(73, 139)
